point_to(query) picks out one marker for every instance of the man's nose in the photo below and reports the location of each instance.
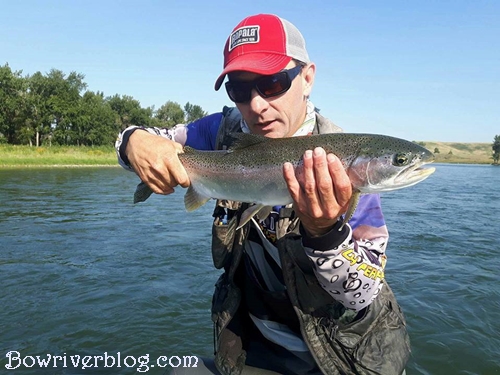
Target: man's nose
(257, 103)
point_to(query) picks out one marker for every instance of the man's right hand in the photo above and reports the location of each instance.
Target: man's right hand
(156, 162)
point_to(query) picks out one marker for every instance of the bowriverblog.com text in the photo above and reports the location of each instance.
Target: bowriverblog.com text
(16, 360)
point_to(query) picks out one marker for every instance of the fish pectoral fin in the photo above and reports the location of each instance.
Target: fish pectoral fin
(353, 203)
(142, 192)
(194, 200)
(251, 211)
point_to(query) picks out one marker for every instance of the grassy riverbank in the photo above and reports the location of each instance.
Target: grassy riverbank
(465, 153)
(25, 156)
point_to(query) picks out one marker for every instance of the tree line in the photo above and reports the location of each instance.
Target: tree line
(56, 108)
(496, 149)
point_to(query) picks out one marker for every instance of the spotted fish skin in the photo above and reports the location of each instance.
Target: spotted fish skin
(252, 169)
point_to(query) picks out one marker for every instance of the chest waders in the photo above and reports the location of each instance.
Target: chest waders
(340, 341)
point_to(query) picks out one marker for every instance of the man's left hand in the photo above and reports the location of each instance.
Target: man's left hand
(320, 191)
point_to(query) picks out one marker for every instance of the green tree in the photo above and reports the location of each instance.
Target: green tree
(193, 112)
(95, 121)
(170, 114)
(53, 101)
(40, 114)
(496, 149)
(436, 150)
(54, 107)
(64, 101)
(129, 111)
(12, 104)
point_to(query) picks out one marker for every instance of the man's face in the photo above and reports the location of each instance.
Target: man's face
(277, 116)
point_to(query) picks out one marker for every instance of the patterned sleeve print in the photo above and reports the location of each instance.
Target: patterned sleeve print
(351, 269)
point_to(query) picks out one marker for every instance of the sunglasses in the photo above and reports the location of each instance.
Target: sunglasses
(267, 86)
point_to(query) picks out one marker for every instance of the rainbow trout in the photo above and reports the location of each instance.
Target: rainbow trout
(252, 169)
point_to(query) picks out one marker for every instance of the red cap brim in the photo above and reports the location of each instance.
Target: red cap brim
(260, 63)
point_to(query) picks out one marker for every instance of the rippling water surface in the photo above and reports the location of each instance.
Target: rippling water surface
(84, 271)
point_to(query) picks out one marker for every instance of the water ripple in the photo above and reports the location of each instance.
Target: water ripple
(85, 271)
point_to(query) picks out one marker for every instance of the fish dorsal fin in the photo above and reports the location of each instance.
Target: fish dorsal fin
(243, 140)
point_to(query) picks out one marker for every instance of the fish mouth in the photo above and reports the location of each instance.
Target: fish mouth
(380, 177)
(413, 175)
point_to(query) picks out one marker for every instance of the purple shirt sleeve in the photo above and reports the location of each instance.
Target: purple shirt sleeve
(368, 212)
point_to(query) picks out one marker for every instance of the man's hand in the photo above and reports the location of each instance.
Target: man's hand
(320, 192)
(156, 162)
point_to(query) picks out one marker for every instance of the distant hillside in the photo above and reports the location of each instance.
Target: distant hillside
(468, 153)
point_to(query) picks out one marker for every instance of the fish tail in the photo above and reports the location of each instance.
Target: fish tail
(142, 192)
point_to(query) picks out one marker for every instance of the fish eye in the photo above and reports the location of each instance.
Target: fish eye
(400, 160)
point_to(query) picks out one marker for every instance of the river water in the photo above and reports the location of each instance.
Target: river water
(85, 272)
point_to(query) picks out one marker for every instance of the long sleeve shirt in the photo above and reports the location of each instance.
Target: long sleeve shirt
(349, 264)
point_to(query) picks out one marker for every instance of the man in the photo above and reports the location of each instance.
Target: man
(300, 293)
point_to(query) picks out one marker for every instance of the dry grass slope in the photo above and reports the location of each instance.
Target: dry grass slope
(467, 153)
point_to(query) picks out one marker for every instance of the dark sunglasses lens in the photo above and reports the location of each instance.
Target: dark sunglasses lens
(267, 86)
(273, 85)
(238, 92)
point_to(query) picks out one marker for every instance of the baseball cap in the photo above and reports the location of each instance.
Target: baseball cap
(262, 44)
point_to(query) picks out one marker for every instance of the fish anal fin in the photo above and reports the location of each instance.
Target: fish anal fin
(194, 200)
(264, 212)
(256, 210)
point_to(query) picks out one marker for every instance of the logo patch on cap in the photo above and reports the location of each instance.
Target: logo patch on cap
(244, 35)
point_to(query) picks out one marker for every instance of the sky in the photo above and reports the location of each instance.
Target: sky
(420, 70)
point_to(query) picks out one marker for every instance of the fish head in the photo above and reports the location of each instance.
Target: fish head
(390, 164)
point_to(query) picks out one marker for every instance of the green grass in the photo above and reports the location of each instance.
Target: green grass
(16, 156)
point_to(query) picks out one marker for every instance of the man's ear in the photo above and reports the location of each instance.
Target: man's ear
(308, 74)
